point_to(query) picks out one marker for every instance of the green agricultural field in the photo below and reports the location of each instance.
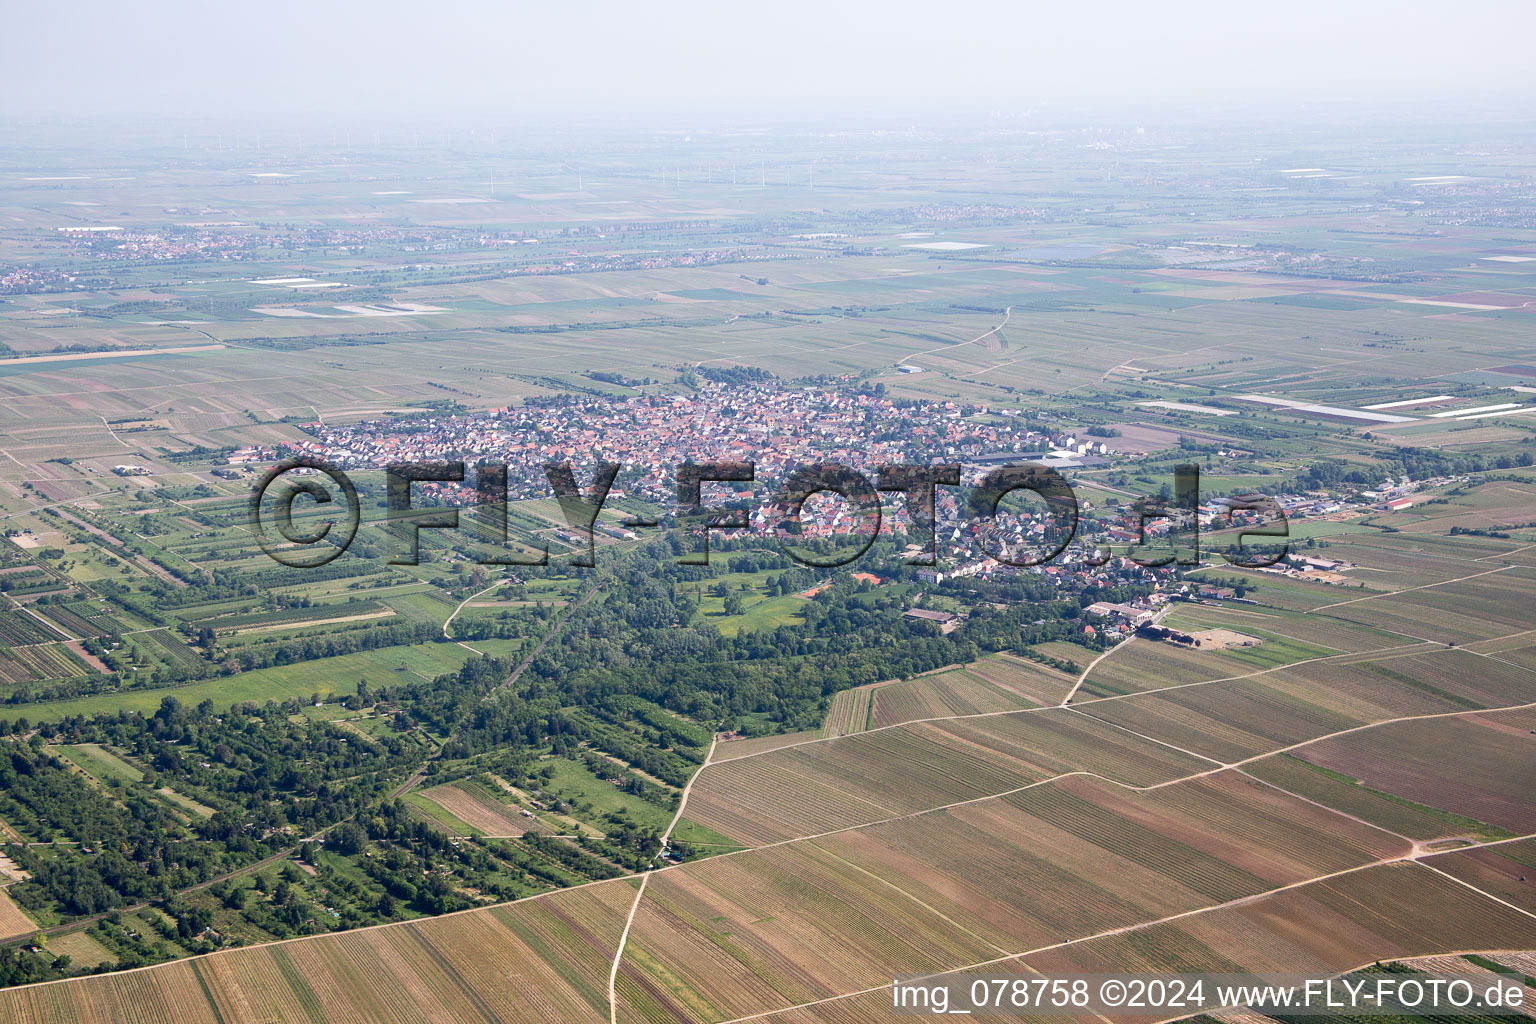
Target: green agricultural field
(185, 802)
(591, 798)
(762, 607)
(102, 763)
(327, 677)
(438, 814)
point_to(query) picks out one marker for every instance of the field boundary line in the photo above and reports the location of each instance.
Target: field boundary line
(1506, 554)
(1412, 842)
(1405, 650)
(460, 607)
(1496, 639)
(922, 903)
(850, 828)
(1346, 732)
(1409, 590)
(645, 877)
(1150, 739)
(618, 955)
(1240, 901)
(1085, 773)
(1091, 666)
(1480, 892)
(1007, 315)
(119, 440)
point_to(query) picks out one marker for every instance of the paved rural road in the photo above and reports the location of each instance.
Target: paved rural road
(1007, 315)
(645, 877)
(455, 613)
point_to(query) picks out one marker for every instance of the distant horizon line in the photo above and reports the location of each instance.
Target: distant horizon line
(1052, 118)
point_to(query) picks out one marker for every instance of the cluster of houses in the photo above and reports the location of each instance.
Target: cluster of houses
(1113, 621)
(775, 426)
(1395, 496)
(1132, 615)
(779, 427)
(1331, 571)
(250, 455)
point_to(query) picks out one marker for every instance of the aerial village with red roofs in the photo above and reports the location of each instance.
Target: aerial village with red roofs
(779, 427)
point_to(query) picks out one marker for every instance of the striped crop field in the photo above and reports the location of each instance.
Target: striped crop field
(749, 746)
(538, 960)
(1079, 856)
(772, 928)
(1148, 666)
(1478, 766)
(1460, 611)
(1093, 848)
(1317, 928)
(854, 780)
(40, 661)
(850, 711)
(984, 687)
(13, 920)
(1238, 719)
(470, 802)
(997, 683)
(1501, 871)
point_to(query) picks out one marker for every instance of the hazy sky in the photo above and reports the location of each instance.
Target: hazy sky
(551, 60)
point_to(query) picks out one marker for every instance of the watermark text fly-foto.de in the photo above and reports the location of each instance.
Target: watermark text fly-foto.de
(1358, 994)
